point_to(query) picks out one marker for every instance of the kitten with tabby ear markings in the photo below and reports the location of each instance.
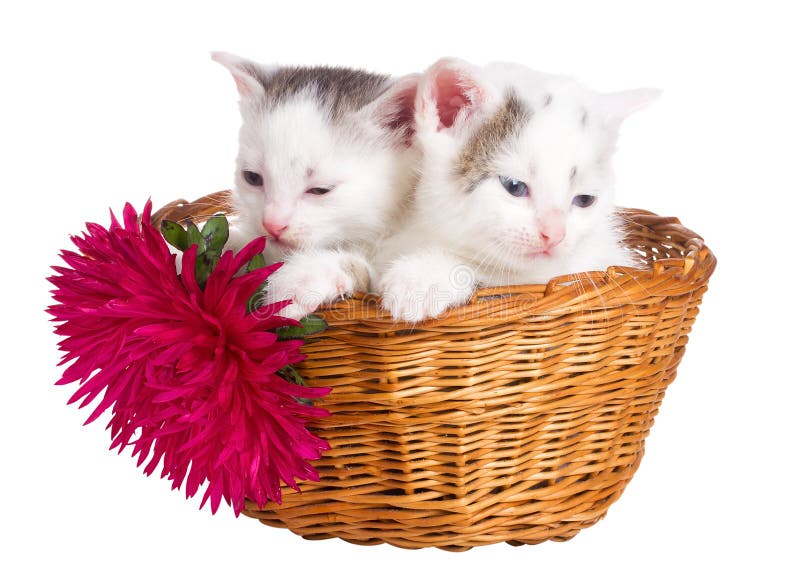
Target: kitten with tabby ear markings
(325, 163)
(515, 186)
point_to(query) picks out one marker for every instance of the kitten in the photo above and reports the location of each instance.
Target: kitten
(323, 167)
(515, 186)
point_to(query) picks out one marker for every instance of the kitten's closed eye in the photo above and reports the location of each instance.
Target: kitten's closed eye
(319, 190)
(583, 200)
(513, 186)
(253, 179)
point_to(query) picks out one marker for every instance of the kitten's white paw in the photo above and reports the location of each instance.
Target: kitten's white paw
(313, 279)
(421, 287)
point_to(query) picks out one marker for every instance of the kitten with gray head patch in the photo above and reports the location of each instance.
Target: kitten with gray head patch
(325, 162)
(515, 186)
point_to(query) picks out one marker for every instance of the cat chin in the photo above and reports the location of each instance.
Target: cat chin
(524, 266)
(282, 246)
(534, 254)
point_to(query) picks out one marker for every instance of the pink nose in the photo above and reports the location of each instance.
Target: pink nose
(274, 229)
(551, 227)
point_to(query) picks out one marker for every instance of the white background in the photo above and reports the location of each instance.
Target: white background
(102, 104)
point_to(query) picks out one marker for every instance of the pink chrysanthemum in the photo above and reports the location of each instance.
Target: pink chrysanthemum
(191, 378)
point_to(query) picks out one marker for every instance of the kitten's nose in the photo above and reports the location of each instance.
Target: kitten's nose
(274, 229)
(552, 228)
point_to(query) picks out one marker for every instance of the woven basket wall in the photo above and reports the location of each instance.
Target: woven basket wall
(520, 417)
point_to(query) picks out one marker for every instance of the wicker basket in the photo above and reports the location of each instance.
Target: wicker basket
(520, 417)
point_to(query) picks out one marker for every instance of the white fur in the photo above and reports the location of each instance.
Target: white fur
(423, 284)
(314, 277)
(486, 231)
(295, 147)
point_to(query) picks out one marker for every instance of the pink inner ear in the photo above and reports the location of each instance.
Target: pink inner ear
(241, 85)
(452, 94)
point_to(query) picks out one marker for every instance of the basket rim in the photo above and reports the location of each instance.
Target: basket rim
(600, 289)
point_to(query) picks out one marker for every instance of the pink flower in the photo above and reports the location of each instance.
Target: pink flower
(190, 377)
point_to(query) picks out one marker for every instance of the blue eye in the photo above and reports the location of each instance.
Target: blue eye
(583, 200)
(514, 187)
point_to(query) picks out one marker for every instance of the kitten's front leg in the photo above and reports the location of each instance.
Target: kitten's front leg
(314, 278)
(422, 285)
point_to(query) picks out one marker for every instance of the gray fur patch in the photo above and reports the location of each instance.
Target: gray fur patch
(584, 118)
(340, 89)
(475, 162)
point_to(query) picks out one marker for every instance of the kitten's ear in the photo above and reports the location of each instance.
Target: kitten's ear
(393, 110)
(245, 73)
(621, 104)
(450, 92)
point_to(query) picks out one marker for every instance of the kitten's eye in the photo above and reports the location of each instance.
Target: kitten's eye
(514, 187)
(319, 190)
(252, 178)
(583, 200)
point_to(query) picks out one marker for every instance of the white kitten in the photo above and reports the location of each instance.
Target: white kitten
(516, 185)
(324, 165)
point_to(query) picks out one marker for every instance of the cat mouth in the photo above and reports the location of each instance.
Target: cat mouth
(539, 253)
(282, 244)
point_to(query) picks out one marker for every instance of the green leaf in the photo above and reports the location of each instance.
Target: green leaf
(289, 374)
(195, 237)
(256, 263)
(215, 233)
(175, 234)
(206, 261)
(308, 326)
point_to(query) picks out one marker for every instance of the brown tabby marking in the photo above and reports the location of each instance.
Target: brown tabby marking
(341, 89)
(475, 162)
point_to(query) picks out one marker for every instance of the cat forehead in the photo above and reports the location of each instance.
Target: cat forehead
(301, 119)
(549, 128)
(475, 161)
(338, 89)
(297, 130)
(559, 136)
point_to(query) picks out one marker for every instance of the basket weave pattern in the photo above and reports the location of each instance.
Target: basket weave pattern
(519, 417)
